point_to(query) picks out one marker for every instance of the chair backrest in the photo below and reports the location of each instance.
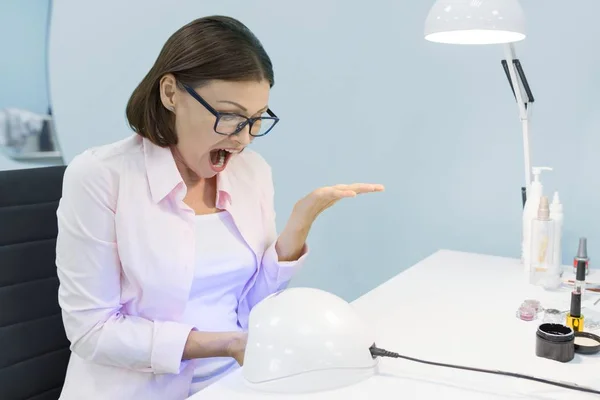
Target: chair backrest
(34, 350)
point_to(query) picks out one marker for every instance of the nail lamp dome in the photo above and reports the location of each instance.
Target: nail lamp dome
(306, 340)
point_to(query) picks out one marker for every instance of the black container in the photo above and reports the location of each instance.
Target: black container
(555, 342)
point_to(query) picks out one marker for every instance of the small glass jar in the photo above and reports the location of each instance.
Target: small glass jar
(526, 312)
(554, 316)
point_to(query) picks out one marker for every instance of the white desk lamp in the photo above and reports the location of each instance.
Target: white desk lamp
(306, 340)
(488, 22)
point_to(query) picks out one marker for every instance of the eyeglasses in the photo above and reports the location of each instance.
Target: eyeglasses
(232, 123)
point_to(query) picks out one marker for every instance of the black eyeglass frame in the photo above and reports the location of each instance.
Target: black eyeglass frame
(218, 115)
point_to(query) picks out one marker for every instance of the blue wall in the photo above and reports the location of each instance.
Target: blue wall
(23, 35)
(363, 97)
(23, 77)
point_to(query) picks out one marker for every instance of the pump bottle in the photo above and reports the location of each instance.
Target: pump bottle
(530, 212)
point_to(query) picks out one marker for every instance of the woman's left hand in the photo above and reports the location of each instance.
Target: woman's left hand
(292, 239)
(310, 207)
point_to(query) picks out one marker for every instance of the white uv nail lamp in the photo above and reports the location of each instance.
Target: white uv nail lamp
(306, 340)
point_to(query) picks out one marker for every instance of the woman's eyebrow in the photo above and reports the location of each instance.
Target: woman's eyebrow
(241, 107)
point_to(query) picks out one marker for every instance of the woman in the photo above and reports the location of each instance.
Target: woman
(167, 238)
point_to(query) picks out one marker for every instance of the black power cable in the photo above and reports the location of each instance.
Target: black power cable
(377, 352)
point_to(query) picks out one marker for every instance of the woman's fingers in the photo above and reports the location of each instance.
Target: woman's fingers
(359, 188)
(342, 194)
(342, 191)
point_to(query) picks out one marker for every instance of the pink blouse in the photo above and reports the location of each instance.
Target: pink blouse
(126, 258)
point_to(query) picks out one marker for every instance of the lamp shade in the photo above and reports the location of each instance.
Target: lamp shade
(475, 22)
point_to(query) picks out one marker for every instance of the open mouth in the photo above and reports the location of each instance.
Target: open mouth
(219, 159)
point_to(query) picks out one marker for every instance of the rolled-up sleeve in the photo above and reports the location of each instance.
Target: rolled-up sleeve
(273, 275)
(89, 272)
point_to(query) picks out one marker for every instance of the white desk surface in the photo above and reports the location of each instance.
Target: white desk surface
(457, 308)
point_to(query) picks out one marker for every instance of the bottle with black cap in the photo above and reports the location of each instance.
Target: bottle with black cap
(574, 317)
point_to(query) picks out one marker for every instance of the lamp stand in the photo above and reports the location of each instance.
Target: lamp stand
(522, 91)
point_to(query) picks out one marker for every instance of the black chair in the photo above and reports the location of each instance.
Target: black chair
(34, 350)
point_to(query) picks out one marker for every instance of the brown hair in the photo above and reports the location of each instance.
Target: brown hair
(208, 48)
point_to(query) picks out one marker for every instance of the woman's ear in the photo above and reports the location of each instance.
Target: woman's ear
(168, 91)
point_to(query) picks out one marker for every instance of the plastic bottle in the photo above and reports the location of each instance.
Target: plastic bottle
(530, 211)
(544, 271)
(556, 215)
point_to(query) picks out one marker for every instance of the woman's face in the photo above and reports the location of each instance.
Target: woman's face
(200, 150)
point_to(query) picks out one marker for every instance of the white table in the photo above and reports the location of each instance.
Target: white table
(456, 308)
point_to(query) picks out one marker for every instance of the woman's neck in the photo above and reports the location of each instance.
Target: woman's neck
(190, 178)
(201, 193)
